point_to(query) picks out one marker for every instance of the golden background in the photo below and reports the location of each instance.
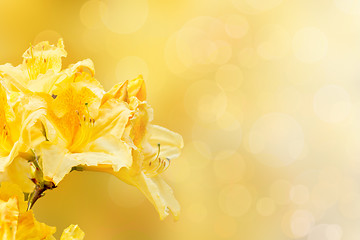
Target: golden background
(264, 92)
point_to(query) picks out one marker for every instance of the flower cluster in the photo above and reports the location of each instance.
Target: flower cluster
(54, 121)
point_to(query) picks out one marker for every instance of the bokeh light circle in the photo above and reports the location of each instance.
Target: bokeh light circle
(348, 6)
(276, 139)
(196, 150)
(326, 232)
(255, 6)
(229, 77)
(263, 5)
(248, 57)
(236, 26)
(171, 58)
(210, 133)
(229, 122)
(280, 191)
(299, 194)
(273, 42)
(301, 223)
(265, 206)
(124, 17)
(205, 101)
(310, 45)
(195, 48)
(349, 206)
(332, 103)
(90, 14)
(224, 52)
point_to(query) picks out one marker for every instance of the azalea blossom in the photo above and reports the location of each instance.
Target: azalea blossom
(153, 147)
(68, 122)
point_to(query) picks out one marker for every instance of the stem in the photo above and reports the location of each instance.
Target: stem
(39, 192)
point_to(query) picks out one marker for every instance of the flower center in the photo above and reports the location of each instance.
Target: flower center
(155, 164)
(71, 115)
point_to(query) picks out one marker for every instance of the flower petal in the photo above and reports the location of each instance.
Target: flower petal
(19, 172)
(14, 76)
(73, 232)
(136, 88)
(30, 229)
(9, 190)
(113, 117)
(119, 91)
(156, 190)
(141, 116)
(53, 162)
(7, 159)
(170, 142)
(104, 152)
(43, 57)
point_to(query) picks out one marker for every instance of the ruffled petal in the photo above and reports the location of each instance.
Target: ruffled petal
(112, 119)
(10, 190)
(73, 232)
(53, 162)
(7, 159)
(136, 88)
(106, 152)
(15, 78)
(170, 142)
(19, 172)
(156, 190)
(30, 229)
(118, 91)
(43, 57)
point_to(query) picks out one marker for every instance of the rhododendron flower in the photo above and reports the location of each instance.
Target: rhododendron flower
(66, 121)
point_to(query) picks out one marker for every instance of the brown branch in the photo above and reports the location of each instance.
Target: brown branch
(38, 192)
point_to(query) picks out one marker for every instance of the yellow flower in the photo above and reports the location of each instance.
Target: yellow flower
(37, 70)
(82, 127)
(160, 146)
(41, 71)
(153, 147)
(18, 224)
(69, 97)
(117, 138)
(84, 133)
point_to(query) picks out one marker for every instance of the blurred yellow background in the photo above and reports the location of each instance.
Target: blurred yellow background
(264, 92)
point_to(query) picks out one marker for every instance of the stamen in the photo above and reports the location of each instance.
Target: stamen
(156, 164)
(85, 124)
